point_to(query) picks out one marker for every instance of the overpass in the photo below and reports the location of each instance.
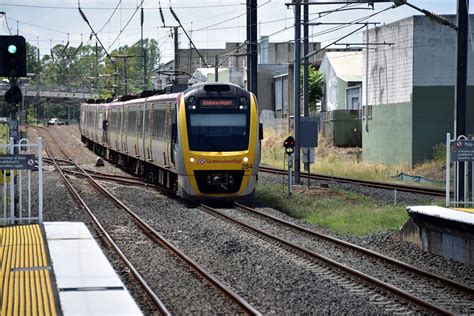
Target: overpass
(52, 92)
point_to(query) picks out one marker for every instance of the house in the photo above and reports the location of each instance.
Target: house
(340, 117)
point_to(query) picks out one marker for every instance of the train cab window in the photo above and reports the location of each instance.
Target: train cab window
(224, 131)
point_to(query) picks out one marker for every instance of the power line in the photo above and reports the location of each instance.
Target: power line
(109, 8)
(136, 9)
(108, 21)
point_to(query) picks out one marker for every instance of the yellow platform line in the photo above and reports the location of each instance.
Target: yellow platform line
(25, 276)
(467, 210)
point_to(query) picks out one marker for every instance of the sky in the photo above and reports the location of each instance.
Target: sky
(210, 23)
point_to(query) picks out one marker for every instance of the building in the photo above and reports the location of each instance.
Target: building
(274, 60)
(340, 113)
(411, 90)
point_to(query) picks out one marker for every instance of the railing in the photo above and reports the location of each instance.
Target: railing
(17, 198)
(460, 199)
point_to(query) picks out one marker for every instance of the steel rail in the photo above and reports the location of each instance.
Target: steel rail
(108, 240)
(368, 183)
(459, 286)
(157, 237)
(387, 287)
(110, 178)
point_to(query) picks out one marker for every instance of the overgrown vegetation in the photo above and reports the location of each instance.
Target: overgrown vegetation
(348, 161)
(340, 211)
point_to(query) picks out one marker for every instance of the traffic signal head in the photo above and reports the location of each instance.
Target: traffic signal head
(12, 56)
(289, 145)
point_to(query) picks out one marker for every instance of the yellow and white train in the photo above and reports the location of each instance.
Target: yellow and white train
(202, 144)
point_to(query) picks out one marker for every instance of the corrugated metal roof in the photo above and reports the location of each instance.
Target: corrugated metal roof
(346, 65)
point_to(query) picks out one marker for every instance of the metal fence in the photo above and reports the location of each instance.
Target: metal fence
(465, 198)
(22, 199)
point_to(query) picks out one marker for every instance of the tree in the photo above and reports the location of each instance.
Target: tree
(315, 87)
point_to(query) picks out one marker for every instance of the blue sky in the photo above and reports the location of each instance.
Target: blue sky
(211, 23)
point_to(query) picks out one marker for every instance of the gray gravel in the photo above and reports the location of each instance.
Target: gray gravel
(271, 279)
(275, 281)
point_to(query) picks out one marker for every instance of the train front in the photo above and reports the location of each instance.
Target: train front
(219, 131)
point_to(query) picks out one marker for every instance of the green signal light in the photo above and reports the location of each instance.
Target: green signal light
(12, 49)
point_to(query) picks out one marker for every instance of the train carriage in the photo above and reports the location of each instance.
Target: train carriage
(203, 143)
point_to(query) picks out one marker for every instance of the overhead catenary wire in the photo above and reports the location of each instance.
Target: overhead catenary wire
(190, 40)
(54, 62)
(128, 22)
(6, 21)
(110, 18)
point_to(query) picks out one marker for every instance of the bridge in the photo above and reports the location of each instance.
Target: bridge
(52, 92)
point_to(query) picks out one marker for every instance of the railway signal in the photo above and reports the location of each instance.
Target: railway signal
(12, 56)
(289, 145)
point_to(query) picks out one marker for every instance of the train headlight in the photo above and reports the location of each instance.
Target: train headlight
(246, 159)
(191, 159)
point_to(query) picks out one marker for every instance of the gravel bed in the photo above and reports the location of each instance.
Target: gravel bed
(387, 242)
(274, 281)
(271, 279)
(425, 288)
(406, 198)
(179, 288)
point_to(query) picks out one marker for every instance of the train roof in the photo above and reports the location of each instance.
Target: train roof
(205, 86)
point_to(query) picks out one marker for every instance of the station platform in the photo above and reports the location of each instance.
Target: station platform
(444, 231)
(58, 269)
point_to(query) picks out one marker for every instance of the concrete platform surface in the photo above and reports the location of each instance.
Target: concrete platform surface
(456, 215)
(86, 282)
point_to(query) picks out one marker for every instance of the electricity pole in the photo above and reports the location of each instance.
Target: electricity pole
(460, 93)
(252, 54)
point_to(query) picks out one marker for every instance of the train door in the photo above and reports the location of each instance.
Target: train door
(139, 131)
(125, 130)
(147, 140)
(122, 128)
(171, 120)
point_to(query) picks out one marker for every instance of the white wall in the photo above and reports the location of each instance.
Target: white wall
(331, 82)
(435, 53)
(390, 67)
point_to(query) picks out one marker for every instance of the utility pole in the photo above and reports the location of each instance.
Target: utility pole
(125, 83)
(296, 94)
(96, 65)
(216, 68)
(114, 65)
(306, 59)
(142, 20)
(252, 54)
(460, 93)
(38, 83)
(306, 65)
(177, 63)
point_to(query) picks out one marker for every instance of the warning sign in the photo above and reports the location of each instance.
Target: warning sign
(17, 162)
(462, 150)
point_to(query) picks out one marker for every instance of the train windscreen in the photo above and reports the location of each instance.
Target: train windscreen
(218, 131)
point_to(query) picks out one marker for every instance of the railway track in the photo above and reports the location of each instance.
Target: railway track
(431, 293)
(152, 234)
(368, 183)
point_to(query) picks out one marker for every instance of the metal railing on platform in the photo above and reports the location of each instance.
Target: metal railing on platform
(460, 152)
(22, 202)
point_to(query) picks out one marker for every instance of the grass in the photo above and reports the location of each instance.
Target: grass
(340, 211)
(348, 162)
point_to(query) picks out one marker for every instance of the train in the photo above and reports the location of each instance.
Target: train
(203, 143)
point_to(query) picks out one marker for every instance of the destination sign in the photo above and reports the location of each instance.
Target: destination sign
(462, 150)
(17, 162)
(218, 102)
